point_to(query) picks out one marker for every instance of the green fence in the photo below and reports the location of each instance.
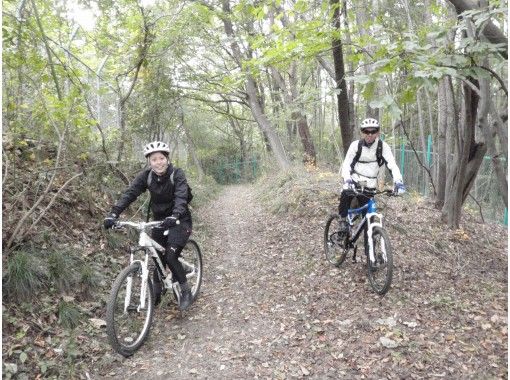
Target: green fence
(485, 189)
(236, 171)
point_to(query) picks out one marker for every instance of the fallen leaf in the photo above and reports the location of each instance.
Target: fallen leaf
(387, 342)
(97, 322)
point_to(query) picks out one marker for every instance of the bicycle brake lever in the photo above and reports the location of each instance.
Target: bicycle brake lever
(166, 231)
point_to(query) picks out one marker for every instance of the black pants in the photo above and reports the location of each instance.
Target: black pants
(174, 242)
(346, 199)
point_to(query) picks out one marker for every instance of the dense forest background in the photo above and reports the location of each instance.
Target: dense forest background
(238, 89)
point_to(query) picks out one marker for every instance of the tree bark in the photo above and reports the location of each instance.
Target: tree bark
(291, 96)
(467, 160)
(489, 132)
(490, 31)
(143, 50)
(48, 51)
(421, 127)
(441, 143)
(346, 128)
(192, 150)
(253, 100)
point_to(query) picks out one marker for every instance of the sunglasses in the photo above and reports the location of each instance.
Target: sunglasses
(370, 131)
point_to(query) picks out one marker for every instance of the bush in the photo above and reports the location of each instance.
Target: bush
(299, 191)
(68, 315)
(88, 279)
(25, 275)
(61, 269)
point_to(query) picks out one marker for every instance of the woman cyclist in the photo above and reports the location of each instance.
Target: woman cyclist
(169, 203)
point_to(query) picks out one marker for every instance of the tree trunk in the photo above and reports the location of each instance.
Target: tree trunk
(350, 86)
(309, 156)
(263, 122)
(490, 31)
(467, 160)
(298, 117)
(48, 51)
(254, 103)
(346, 128)
(143, 49)
(192, 150)
(489, 132)
(441, 159)
(421, 127)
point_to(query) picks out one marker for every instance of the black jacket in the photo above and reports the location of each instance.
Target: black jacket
(166, 199)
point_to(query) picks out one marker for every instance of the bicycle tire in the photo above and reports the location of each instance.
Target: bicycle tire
(121, 326)
(380, 274)
(191, 254)
(332, 243)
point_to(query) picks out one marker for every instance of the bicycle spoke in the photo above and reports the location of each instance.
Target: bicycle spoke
(129, 314)
(191, 260)
(381, 270)
(334, 243)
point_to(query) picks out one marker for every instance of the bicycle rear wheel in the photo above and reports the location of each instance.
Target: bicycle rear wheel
(127, 321)
(380, 272)
(191, 260)
(334, 243)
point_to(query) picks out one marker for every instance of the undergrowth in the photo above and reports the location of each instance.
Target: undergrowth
(299, 191)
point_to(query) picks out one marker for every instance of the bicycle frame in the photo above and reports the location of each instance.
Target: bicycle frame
(150, 246)
(369, 211)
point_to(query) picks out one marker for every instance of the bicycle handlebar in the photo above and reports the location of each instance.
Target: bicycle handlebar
(140, 226)
(366, 193)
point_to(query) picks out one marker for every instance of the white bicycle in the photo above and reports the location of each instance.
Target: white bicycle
(130, 307)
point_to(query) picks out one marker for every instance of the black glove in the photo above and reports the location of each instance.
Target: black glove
(110, 220)
(170, 221)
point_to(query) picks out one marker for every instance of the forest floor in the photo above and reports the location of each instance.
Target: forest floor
(271, 307)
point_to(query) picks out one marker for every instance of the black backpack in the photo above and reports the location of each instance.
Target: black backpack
(190, 194)
(378, 154)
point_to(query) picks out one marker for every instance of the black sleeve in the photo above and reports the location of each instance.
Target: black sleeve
(137, 187)
(180, 193)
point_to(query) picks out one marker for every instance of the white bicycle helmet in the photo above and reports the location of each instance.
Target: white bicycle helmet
(155, 146)
(369, 123)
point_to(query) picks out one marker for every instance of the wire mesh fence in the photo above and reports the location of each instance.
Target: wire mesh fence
(236, 171)
(485, 193)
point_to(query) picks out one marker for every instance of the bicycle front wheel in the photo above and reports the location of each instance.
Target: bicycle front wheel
(334, 243)
(191, 260)
(128, 313)
(380, 272)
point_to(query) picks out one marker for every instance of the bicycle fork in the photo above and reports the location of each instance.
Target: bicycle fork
(370, 231)
(144, 283)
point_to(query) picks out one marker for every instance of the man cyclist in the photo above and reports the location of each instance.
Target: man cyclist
(362, 163)
(169, 203)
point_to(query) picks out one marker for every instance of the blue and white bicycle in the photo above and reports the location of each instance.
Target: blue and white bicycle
(378, 250)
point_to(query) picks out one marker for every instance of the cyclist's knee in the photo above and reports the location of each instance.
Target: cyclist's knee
(172, 252)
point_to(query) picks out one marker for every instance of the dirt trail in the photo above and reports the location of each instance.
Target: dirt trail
(237, 327)
(271, 307)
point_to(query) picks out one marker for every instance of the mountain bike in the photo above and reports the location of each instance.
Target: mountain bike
(132, 300)
(378, 252)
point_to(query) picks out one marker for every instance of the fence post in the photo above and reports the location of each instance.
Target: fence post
(505, 220)
(429, 163)
(402, 158)
(429, 150)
